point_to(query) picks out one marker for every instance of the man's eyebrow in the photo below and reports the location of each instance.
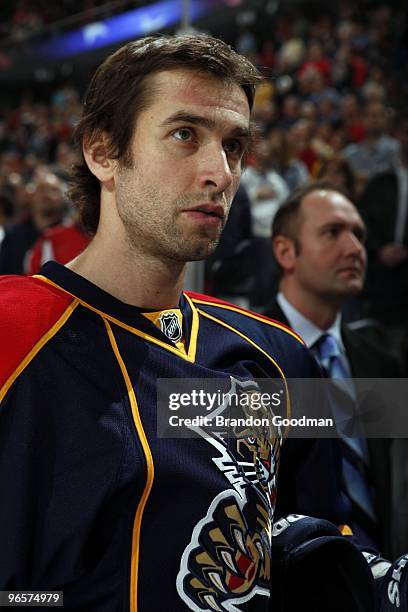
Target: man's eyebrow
(341, 224)
(336, 222)
(187, 117)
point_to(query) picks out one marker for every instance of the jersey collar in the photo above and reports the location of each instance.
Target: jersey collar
(132, 316)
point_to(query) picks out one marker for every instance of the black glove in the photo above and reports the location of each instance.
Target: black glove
(316, 569)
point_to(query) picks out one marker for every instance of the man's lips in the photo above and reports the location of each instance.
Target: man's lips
(212, 214)
(350, 270)
(209, 209)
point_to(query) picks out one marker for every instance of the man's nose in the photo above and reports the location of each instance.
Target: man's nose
(214, 169)
(353, 245)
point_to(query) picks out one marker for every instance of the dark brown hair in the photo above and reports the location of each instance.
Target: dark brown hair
(119, 91)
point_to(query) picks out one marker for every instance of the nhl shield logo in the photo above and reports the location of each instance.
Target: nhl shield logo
(170, 326)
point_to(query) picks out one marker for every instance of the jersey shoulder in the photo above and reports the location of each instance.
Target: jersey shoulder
(29, 311)
(241, 317)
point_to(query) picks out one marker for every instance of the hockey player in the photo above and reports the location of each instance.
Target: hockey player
(94, 502)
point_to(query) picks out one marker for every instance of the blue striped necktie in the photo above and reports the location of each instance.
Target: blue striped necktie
(355, 469)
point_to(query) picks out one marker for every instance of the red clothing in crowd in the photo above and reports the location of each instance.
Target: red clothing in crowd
(60, 243)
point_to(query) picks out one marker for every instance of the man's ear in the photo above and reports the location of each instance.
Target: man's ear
(285, 252)
(96, 155)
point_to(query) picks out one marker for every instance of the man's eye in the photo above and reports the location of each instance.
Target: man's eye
(233, 147)
(332, 232)
(183, 134)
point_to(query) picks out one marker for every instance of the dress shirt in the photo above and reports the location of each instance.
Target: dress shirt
(307, 330)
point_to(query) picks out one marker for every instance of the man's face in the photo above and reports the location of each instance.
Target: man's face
(48, 200)
(187, 149)
(331, 258)
(376, 118)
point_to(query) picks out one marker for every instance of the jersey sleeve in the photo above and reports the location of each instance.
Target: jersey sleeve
(30, 314)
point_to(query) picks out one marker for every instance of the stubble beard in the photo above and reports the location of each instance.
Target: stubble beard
(338, 293)
(157, 232)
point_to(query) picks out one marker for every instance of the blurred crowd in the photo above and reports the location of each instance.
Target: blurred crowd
(36, 155)
(332, 106)
(25, 18)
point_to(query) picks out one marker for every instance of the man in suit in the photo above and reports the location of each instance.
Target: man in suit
(384, 207)
(318, 243)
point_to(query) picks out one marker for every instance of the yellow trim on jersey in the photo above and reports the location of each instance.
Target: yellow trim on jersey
(37, 347)
(345, 530)
(252, 315)
(137, 524)
(155, 318)
(133, 330)
(236, 331)
(195, 324)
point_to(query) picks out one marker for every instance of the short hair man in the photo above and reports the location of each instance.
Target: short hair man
(318, 242)
(95, 503)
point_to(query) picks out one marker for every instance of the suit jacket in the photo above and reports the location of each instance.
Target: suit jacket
(386, 288)
(367, 361)
(18, 239)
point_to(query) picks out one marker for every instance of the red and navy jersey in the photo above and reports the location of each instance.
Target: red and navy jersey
(94, 502)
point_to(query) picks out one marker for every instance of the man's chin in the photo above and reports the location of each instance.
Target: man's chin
(198, 252)
(350, 289)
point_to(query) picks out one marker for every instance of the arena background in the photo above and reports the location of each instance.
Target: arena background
(325, 64)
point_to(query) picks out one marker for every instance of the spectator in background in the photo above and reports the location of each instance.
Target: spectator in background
(231, 269)
(308, 111)
(266, 189)
(265, 115)
(328, 107)
(64, 160)
(290, 111)
(265, 111)
(384, 206)
(378, 151)
(351, 118)
(6, 213)
(318, 244)
(300, 138)
(342, 69)
(374, 89)
(316, 60)
(47, 208)
(310, 83)
(60, 243)
(337, 170)
(292, 170)
(290, 55)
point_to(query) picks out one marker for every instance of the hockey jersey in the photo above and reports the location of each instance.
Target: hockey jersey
(94, 502)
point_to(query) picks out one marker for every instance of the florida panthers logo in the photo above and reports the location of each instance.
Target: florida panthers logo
(228, 559)
(226, 563)
(170, 326)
